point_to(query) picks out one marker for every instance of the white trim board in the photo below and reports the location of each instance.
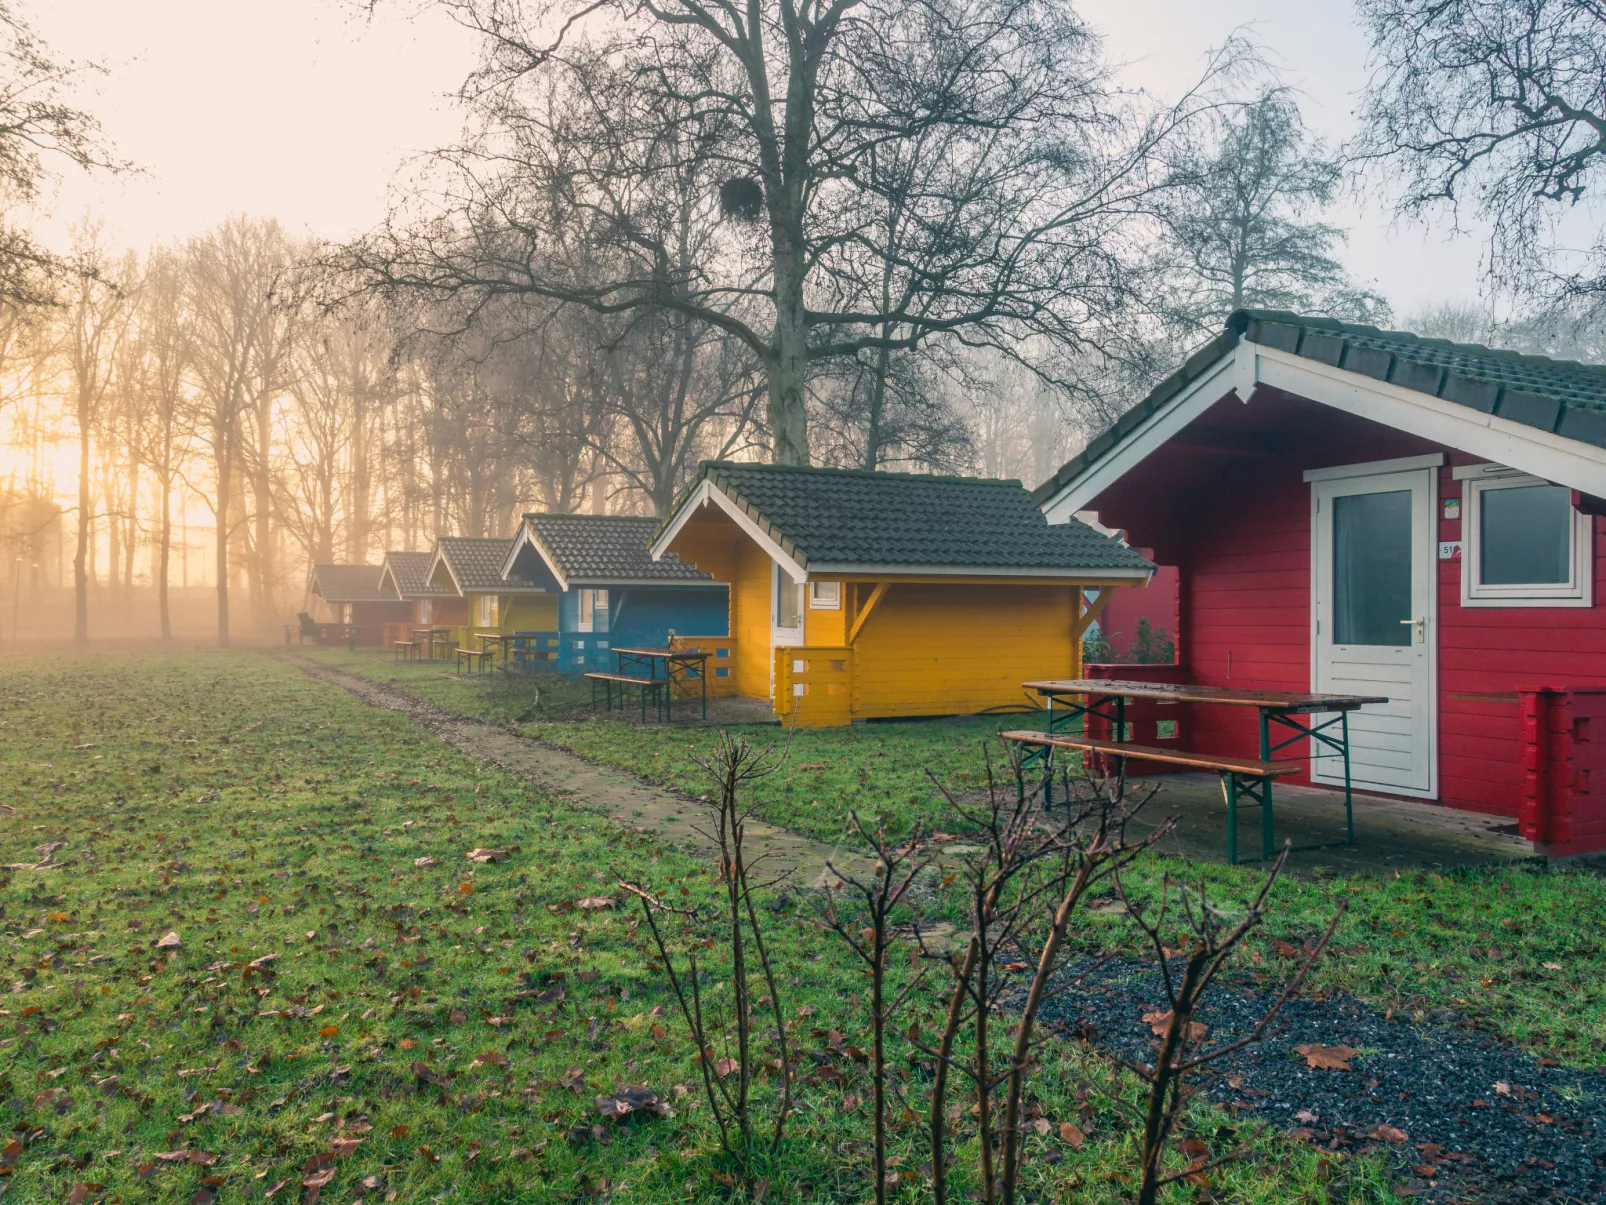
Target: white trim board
(527, 536)
(705, 493)
(894, 571)
(1371, 468)
(1190, 402)
(1555, 458)
(440, 559)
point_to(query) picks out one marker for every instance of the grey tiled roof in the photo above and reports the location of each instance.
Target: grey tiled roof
(476, 563)
(852, 517)
(606, 548)
(1558, 396)
(410, 572)
(348, 584)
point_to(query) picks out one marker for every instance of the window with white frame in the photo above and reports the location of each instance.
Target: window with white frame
(1523, 543)
(486, 604)
(787, 613)
(825, 596)
(590, 603)
(426, 610)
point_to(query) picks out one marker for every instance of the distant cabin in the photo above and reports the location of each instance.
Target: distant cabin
(470, 569)
(405, 576)
(351, 598)
(858, 595)
(611, 591)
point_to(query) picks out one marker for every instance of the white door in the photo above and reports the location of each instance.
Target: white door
(1373, 552)
(786, 615)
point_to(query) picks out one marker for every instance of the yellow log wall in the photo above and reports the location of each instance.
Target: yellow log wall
(528, 613)
(944, 650)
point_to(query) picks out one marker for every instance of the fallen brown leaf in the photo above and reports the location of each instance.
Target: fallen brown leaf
(486, 855)
(425, 863)
(168, 941)
(1159, 1022)
(1327, 1058)
(596, 901)
(632, 1098)
(1073, 1135)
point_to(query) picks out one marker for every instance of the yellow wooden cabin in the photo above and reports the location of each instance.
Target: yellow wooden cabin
(857, 595)
(471, 568)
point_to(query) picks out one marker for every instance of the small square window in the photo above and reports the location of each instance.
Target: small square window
(1523, 543)
(825, 596)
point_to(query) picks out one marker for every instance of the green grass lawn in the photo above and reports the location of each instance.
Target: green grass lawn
(323, 996)
(874, 769)
(1518, 950)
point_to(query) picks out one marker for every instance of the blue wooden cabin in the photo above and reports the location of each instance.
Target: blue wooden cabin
(611, 593)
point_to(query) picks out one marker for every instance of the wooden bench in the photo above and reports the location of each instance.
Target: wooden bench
(656, 685)
(1241, 777)
(407, 650)
(477, 659)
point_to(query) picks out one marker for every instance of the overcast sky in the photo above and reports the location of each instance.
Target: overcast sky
(303, 109)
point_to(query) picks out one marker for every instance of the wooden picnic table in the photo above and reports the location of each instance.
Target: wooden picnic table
(429, 637)
(676, 664)
(1320, 717)
(504, 640)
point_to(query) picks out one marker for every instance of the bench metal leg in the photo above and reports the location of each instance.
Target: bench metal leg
(1236, 787)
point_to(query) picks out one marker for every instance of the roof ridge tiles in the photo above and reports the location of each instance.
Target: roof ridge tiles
(876, 474)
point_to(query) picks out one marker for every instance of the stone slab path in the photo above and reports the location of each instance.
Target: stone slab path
(672, 818)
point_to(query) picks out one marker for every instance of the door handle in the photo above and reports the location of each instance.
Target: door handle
(1421, 628)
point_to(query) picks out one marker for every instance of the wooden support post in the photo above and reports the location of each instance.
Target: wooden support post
(1089, 613)
(864, 611)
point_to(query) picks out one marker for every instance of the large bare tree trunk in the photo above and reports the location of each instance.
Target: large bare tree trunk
(262, 487)
(164, 552)
(80, 561)
(788, 370)
(361, 486)
(131, 539)
(225, 483)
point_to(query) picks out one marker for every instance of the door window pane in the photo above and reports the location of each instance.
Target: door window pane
(1525, 535)
(788, 601)
(1372, 568)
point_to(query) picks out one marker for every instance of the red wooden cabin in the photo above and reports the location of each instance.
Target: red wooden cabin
(1359, 510)
(348, 603)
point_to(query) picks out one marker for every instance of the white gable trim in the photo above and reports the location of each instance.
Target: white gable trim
(1226, 374)
(707, 492)
(1555, 458)
(527, 536)
(831, 572)
(442, 559)
(386, 574)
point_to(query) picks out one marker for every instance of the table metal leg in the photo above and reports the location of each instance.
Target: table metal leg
(1349, 805)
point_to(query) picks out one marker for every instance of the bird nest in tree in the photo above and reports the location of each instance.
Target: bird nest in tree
(742, 198)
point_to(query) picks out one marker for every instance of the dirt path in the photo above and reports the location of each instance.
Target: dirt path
(628, 801)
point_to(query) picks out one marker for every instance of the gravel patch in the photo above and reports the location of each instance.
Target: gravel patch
(1462, 1115)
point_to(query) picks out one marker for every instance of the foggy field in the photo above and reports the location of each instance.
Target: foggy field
(406, 1021)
